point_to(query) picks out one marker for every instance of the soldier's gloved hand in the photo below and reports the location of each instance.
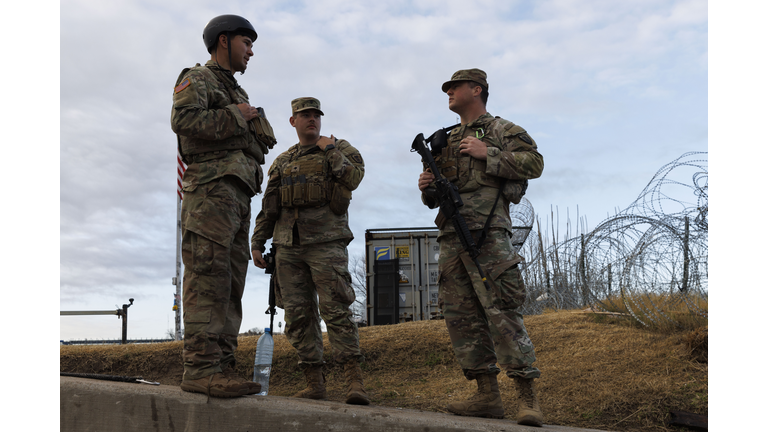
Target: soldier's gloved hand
(248, 111)
(425, 179)
(258, 261)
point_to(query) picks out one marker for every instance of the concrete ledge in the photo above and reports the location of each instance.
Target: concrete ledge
(95, 405)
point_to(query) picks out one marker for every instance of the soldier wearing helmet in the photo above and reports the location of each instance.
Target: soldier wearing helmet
(223, 140)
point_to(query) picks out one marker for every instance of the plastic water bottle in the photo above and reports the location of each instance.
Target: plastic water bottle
(262, 364)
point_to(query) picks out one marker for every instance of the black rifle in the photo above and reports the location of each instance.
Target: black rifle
(447, 195)
(270, 270)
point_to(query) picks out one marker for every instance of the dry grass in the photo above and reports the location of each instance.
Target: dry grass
(598, 372)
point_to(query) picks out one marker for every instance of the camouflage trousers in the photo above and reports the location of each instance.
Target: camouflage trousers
(485, 326)
(215, 219)
(315, 283)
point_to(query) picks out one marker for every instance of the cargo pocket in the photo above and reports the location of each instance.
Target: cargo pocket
(200, 257)
(508, 288)
(343, 292)
(203, 316)
(525, 344)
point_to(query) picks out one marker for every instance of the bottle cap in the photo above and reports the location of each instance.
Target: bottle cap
(267, 330)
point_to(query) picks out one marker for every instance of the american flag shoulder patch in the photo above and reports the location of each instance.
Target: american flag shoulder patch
(184, 84)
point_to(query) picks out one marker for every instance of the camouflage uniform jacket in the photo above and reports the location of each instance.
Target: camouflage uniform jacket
(512, 155)
(313, 224)
(205, 116)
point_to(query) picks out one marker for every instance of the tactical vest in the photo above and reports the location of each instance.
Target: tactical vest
(468, 173)
(305, 181)
(256, 144)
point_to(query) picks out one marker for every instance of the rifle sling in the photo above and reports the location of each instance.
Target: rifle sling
(484, 233)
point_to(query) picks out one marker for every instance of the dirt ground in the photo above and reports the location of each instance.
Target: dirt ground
(598, 371)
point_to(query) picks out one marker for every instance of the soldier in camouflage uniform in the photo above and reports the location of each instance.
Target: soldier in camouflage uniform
(304, 211)
(490, 160)
(223, 140)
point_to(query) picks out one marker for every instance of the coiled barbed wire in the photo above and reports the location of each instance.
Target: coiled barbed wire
(649, 260)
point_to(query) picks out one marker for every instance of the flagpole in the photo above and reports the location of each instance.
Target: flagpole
(181, 167)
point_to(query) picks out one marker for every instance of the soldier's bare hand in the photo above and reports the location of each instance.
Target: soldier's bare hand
(472, 146)
(324, 141)
(425, 179)
(248, 111)
(258, 261)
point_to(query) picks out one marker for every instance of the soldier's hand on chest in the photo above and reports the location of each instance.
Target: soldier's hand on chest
(471, 146)
(248, 111)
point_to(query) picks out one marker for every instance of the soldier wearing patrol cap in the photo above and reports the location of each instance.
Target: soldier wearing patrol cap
(490, 160)
(223, 140)
(304, 212)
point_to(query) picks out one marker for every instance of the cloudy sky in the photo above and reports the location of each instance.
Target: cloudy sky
(611, 91)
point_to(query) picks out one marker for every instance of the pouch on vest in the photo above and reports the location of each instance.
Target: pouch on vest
(264, 132)
(286, 193)
(340, 198)
(514, 190)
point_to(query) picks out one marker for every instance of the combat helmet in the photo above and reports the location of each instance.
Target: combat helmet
(226, 24)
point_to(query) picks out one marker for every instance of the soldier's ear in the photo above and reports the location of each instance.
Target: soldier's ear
(223, 40)
(291, 120)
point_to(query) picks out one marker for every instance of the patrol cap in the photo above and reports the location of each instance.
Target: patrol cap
(305, 103)
(475, 75)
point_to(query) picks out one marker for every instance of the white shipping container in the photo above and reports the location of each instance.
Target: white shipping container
(401, 275)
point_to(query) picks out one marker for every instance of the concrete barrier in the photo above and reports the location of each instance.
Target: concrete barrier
(95, 405)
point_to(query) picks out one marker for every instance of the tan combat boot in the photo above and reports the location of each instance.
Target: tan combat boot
(356, 394)
(250, 386)
(216, 385)
(485, 403)
(528, 412)
(315, 384)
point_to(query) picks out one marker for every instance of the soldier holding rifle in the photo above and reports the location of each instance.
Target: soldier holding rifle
(489, 161)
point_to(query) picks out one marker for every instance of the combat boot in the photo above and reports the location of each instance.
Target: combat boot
(216, 385)
(315, 383)
(485, 403)
(356, 394)
(250, 386)
(528, 412)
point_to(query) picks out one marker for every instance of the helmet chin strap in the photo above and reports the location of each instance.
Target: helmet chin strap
(229, 54)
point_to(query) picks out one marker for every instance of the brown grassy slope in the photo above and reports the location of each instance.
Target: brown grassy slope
(597, 372)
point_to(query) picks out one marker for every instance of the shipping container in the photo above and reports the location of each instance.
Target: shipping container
(401, 275)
